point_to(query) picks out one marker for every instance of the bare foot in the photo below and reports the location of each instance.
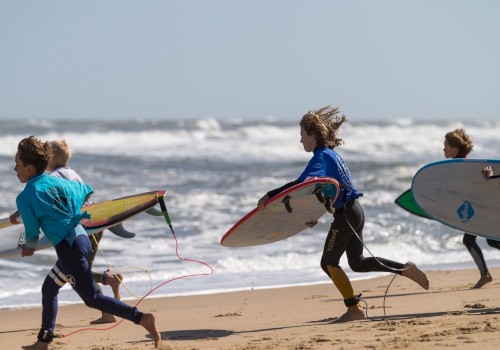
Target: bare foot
(412, 272)
(483, 280)
(105, 318)
(37, 346)
(149, 323)
(353, 313)
(114, 282)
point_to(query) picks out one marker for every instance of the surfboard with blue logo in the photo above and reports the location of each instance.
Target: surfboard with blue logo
(285, 214)
(455, 193)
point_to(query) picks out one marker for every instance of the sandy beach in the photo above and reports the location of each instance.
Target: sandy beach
(449, 315)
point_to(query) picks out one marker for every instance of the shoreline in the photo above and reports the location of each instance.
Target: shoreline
(449, 314)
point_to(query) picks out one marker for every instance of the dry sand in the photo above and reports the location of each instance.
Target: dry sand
(449, 315)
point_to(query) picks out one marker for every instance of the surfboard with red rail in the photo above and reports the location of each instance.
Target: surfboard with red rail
(285, 214)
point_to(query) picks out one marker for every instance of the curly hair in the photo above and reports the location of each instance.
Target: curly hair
(458, 138)
(33, 151)
(324, 124)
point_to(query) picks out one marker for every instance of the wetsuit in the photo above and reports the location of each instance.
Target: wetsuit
(348, 222)
(53, 205)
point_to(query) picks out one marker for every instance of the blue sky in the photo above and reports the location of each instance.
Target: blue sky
(376, 60)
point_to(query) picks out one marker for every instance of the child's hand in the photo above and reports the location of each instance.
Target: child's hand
(487, 172)
(261, 204)
(14, 218)
(27, 251)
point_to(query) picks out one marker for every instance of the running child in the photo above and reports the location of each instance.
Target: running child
(458, 144)
(318, 131)
(53, 205)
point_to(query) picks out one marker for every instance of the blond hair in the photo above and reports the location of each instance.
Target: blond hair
(61, 153)
(458, 138)
(324, 124)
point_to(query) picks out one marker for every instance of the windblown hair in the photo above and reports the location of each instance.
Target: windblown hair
(61, 153)
(33, 151)
(458, 138)
(324, 124)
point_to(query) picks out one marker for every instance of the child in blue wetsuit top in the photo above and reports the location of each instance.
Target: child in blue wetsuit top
(318, 131)
(53, 205)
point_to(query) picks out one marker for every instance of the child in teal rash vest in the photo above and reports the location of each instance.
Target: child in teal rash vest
(318, 131)
(53, 205)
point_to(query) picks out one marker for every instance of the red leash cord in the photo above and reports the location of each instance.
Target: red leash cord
(167, 218)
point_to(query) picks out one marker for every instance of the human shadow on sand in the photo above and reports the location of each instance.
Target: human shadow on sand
(197, 334)
(475, 312)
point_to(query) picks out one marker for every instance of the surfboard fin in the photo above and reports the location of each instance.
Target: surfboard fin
(318, 191)
(328, 205)
(286, 202)
(154, 211)
(121, 231)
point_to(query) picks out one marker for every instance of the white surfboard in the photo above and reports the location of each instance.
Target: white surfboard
(285, 214)
(104, 215)
(455, 193)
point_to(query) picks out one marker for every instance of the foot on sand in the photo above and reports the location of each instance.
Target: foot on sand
(412, 272)
(114, 282)
(149, 323)
(483, 280)
(105, 318)
(37, 346)
(353, 313)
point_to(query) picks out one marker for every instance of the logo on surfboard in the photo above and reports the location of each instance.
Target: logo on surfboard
(465, 211)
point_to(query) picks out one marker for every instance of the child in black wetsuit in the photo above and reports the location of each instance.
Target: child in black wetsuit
(318, 130)
(458, 144)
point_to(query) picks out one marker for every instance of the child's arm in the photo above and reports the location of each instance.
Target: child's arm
(270, 194)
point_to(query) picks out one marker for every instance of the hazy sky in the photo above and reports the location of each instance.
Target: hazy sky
(251, 59)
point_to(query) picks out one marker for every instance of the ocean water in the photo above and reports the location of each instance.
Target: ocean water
(214, 172)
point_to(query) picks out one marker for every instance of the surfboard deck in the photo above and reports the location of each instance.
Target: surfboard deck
(103, 215)
(407, 202)
(284, 215)
(455, 193)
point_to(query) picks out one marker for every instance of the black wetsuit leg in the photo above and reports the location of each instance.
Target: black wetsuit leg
(342, 238)
(493, 243)
(476, 253)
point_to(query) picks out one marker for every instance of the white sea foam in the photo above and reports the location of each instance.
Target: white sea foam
(214, 173)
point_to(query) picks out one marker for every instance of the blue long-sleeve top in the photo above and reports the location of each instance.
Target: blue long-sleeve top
(326, 162)
(53, 205)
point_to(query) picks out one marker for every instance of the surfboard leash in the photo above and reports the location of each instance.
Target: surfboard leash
(164, 211)
(379, 262)
(169, 222)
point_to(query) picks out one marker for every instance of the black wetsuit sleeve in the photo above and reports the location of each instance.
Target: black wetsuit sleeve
(282, 188)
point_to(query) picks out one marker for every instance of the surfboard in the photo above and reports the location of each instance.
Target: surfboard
(104, 215)
(455, 193)
(5, 223)
(407, 202)
(285, 214)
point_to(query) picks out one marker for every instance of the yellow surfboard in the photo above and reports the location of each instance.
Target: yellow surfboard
(104, 215)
